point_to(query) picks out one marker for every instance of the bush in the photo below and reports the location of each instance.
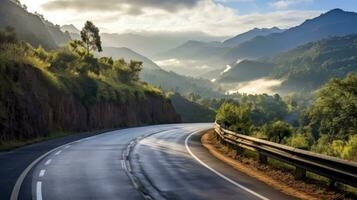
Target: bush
(298, 140)
(277, 131)
(234, 117)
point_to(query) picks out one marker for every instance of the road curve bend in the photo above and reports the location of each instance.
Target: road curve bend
(153, 162)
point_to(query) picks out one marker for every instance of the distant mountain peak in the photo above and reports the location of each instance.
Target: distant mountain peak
(243, 37)
(70, 28)
(338, 11)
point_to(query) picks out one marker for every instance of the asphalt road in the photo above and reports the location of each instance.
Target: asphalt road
(157, 162)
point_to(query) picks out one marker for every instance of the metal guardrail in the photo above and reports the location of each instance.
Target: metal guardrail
(333, 168)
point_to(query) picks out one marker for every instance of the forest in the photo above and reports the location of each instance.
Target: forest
(324, 122)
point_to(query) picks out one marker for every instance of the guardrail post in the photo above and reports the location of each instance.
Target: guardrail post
(263, 159)
(300, 173)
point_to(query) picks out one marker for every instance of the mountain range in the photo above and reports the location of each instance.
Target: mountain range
(30, 27)
(145, 43)
(333, 23)
(259, 43)
(302, 69)
(246, 36)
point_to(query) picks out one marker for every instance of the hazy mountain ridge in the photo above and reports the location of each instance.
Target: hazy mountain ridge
(246, 36)
(309, 66)
(247, 70)
(191, 111)
(31, 27)
(304, 68)
(333, 23)
(212, 52)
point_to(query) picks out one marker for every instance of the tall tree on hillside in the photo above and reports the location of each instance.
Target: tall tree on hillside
(91, 38)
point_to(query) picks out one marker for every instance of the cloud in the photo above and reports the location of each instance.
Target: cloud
(176, 16)
(128, 6)
(284, 4)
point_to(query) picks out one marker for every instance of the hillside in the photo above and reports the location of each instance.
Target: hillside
(333, 23)
(311, 65)
(30, 27)
(43, 92)
(167, 81)
(170, 81)
(246, 70)
(191, 112)
(195, 50)
(246, 36)
(128, 54)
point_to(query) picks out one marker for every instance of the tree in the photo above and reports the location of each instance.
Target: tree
(334, 111)
(91, 38)
(8, 35)
(234, 117)
(277, 131)
(135, 69)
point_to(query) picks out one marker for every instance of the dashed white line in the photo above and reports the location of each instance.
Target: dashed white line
(66, 147)
(42, 173)
(218, 173)
(58, 152)
(123, 164)
(39, 190)
(48, 162)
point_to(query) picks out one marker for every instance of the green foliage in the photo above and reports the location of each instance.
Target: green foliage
(8, 35)
(350, 148)
(300, 141)
(91, 38)
(234, 117)
(328, 122)
(334, 111)
(264, 108)
(277, 131)
(89, 78)
(346, 149)
(310, 66)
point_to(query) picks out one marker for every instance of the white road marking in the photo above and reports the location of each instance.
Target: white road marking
(39, 190)
(48, 162)
(66, 147)
(123, 164)
(218, 173)
(42, 173)
(16, 189)
(58, 152)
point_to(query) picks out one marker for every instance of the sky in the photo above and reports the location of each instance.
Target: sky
(214, 17)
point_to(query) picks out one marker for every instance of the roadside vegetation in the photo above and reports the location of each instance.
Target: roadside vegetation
(324, 123)
(71, 71)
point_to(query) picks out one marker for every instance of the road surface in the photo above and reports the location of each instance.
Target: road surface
(153, 162)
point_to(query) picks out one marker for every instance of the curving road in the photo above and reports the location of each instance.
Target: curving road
(154, 162)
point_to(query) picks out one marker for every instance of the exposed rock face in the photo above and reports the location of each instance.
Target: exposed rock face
(31, 107)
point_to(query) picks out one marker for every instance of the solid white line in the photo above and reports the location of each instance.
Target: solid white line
(42, 173)
(39, 190)
(58, 152)
(218, 173)
(48, 162)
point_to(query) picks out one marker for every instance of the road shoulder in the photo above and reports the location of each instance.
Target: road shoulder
(281, 181)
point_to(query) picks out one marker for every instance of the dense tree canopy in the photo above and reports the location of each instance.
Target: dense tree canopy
(334, 111)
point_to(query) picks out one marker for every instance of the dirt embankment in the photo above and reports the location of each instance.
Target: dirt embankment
(31, 107)
(282, 180)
